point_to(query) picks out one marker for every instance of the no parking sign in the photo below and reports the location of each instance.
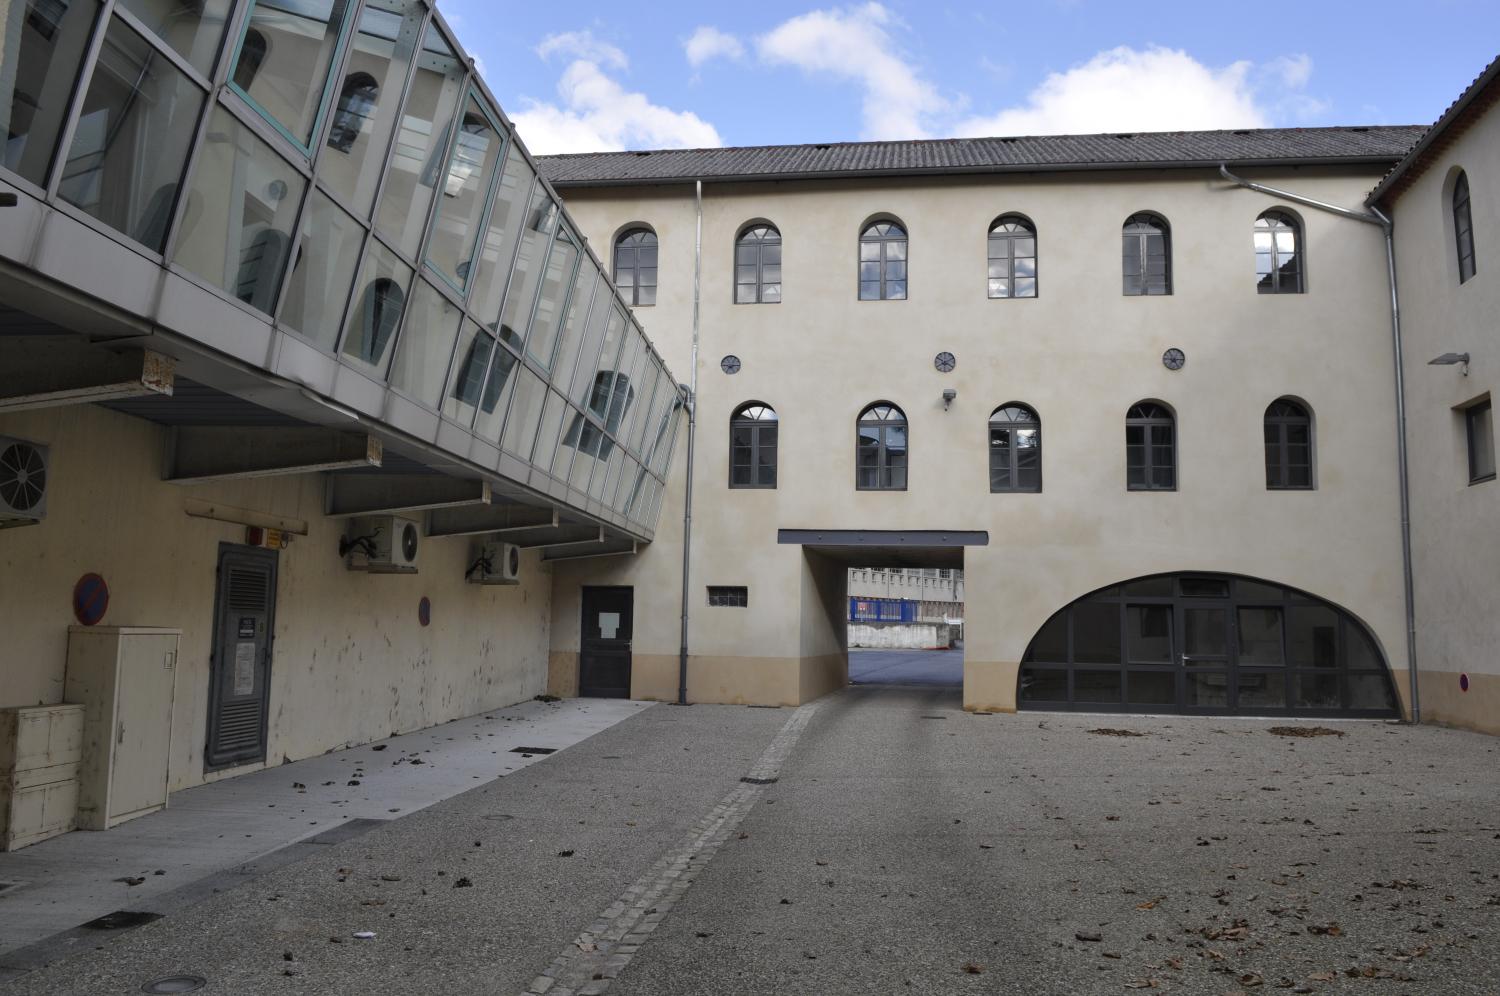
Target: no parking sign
(90, 599)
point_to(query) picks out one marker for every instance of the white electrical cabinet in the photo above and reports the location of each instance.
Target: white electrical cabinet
(40, 748)
(125, 678)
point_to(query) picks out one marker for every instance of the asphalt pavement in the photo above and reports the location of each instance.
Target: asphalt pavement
(934, 668)
(892, 843)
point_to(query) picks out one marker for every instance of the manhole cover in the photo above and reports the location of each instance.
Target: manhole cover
(122, 920)
(533, 750)
(176, 984)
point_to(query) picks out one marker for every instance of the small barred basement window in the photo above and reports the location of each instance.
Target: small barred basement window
(736, 596)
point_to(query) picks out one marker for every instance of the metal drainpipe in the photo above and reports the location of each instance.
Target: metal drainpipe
(1376, 217)
(692, 409)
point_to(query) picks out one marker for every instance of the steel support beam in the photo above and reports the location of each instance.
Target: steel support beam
(474, 520)
(612, 552)
(571, 537)
(197, 454)
(50, 371)
(373, 494)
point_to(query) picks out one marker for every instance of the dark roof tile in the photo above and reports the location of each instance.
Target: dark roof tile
(1269, 146)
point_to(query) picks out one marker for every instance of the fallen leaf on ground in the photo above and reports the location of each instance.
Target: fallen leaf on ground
(1106, 731)
(1304, 731)
(972, 968)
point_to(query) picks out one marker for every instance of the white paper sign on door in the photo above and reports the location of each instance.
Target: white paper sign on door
(244, 667)
(609, 625)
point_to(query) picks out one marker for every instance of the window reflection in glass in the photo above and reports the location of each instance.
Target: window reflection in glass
(547, 321)
(472, 167)
(498, 247)
(323, 272)
(494, 398)
(525, 414)
(471, 361)
(526, 278)
(368, 99)
(283, 62)
(131, 143)
(417, 164)
(379, 302)
(41, 50)
(241, 208)
(193, 28)
(426, 345)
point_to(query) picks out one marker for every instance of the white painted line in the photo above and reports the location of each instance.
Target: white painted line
(589, 965)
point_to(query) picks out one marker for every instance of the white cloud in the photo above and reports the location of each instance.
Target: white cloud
(582, 45)
(855, 44)
(597, 113)
(708, 42)
(1123, 89)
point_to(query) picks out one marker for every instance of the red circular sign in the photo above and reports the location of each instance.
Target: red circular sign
(90, 599)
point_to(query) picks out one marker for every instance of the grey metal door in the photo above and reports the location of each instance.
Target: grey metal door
(240, 671)
(604, 651)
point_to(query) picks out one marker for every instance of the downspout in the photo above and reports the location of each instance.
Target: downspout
(692, 410)
(1376, 217)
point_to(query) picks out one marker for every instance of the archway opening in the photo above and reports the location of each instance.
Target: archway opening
(1208, 644)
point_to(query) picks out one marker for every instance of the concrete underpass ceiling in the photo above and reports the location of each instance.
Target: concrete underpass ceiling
(931, 548)
(892, 556)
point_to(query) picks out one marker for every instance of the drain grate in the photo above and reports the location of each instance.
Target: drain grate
(934, 717)
(121, 920)
(758, 781)
(176, 984)
(533, 750)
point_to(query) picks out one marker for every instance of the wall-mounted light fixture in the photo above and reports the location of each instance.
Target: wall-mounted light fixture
(1448, 359)
(948, 395)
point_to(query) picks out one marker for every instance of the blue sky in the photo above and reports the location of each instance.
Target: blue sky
(583, 76)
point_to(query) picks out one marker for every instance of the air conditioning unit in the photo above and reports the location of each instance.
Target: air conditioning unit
(381, 544)
(493, 562)
(23, 482)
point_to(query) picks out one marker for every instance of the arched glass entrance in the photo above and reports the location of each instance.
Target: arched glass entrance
(1205, 643)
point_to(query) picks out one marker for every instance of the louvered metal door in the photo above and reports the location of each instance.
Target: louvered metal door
(239, 687)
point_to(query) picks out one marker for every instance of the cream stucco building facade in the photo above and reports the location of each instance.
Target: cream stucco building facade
(336, 385)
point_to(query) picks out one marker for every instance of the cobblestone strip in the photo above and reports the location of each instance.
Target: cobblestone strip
(589, 965)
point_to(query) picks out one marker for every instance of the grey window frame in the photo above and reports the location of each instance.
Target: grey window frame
(1275, 281)
(1136, 233)
(1463, 228)
(884, 241)
(1012, 426)
(758, 426)
(772, 236)
(1281, 416)
(1029, 231)
(634, 299)
(1477, 474)
(882, 460)
(1145, 423)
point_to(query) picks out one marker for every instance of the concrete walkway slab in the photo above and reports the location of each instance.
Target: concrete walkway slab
(228, 825)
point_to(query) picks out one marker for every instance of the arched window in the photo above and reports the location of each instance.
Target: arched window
(757, 266)
(1288, 446)
(356, 104)
(1150, 448)
(880, 459)
(1278, 254)
(882, 262)
(1463, 227)
(635, 266)
(252, 53)
(1012, 258)
(752, 446)
(1015, 449)
(1147, 260)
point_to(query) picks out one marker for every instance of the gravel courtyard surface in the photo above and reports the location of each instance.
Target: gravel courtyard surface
(906, 846)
